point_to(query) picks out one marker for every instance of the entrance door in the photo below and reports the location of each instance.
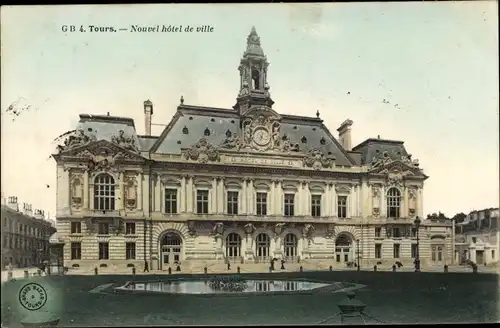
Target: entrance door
(437, 255)
(479, 257)
(343, 249)
(171, 250)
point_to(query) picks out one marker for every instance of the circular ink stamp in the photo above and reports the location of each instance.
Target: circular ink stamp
(32, 296)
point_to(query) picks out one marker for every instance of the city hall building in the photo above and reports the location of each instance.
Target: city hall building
(244, 184)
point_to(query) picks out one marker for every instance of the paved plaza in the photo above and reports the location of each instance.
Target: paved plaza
(402, 297)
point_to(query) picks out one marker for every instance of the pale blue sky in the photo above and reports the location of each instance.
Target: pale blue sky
(438, 61)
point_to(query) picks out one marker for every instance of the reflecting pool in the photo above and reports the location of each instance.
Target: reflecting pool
(208, 287)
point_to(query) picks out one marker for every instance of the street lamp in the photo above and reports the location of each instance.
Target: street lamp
(357, 250)
(417, 254)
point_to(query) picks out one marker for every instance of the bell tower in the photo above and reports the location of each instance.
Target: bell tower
(254, 90)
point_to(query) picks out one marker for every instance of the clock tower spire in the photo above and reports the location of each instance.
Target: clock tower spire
(254, 89)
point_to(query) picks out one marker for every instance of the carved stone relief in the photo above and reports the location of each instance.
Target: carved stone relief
(118, 226)
(76, 185)
(307, 231)
(317, 160)
(343, 188)
(130, 192)
(89, 224)
(191, 225)
(386, 158)
(278, 229)
(330, 231)
(412, 201)
(376, 201)
(218, 230)
(202, 151)
(261, 132)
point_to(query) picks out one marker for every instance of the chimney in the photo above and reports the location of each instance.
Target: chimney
(345, 134)
(148, 112)
(12, 203)
(27, 209)
(39, 214)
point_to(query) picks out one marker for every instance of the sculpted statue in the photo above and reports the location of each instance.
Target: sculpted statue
(308, 230)
(218, 229)
(125, 142)
(78, 138)
(316, 159)
(202, 151)
(231, 143)
(278, 228)
(249, 228)
(287, 145)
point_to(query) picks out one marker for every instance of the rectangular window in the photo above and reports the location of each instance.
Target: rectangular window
(378, 251)
(316, 205)
(396, 251)
(103, 228)
(378, 232)
(202, 201)
(103, 251)
(76, 251)
(492, 254)
(76, 227)
(130, 228)
(171, 201)
(130, 251)
(414, 250)
(232, 202)
(342, 206)
(396, 233)
(289, 204)
(261, 203)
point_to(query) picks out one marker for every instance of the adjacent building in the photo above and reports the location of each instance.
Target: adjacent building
(478, 237)
(25, 234)
(241, 184)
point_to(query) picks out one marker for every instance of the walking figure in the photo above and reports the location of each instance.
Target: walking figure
(146, 266)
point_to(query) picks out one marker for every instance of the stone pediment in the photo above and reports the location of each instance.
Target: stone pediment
(397, 171)
(100, 153)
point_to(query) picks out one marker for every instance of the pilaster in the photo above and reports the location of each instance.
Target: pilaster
(157, 204)
(272, 199)
(182, 195)
(120, 196)
(190, 195)
(404, 207)
(139, 191)
(243, 198)
(251, 197)
(86, 193)
(213, 197)
(383, 202)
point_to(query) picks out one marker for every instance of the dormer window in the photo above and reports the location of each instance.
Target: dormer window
(255, 79)
(304, 139)
(228, 134)
(207, 132)
(322, 141)
(185, 130)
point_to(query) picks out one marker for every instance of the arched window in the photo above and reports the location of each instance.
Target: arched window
(233, 245)
(256, 79)
(104, 192)
(263, 244)
(393, 203)
(290, 246)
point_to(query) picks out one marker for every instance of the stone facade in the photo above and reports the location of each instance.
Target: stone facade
(477, 237)
(244, 184)
(25, 235)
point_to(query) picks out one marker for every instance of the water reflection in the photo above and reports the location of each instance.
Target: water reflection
(202, 286)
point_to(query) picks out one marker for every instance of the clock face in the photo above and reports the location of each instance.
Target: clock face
(261, 137)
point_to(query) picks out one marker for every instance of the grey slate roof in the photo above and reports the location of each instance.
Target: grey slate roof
(218, 121)
(105, 127)
(372, 148)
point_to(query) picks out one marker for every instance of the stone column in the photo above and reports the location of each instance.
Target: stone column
(120, 197)
(272, 199)
(243, 198)
(334, 201)
(212, 209)
(251, 196)
(157, 197)
(405, 208)
(86, 191)
(190, 195)
(306, 202)
(420, 202)
(139, 191)
(222, 196)
(182, 195)
(279, 198)
(383, 203)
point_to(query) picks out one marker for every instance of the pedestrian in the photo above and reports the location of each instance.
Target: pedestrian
(146, 266)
